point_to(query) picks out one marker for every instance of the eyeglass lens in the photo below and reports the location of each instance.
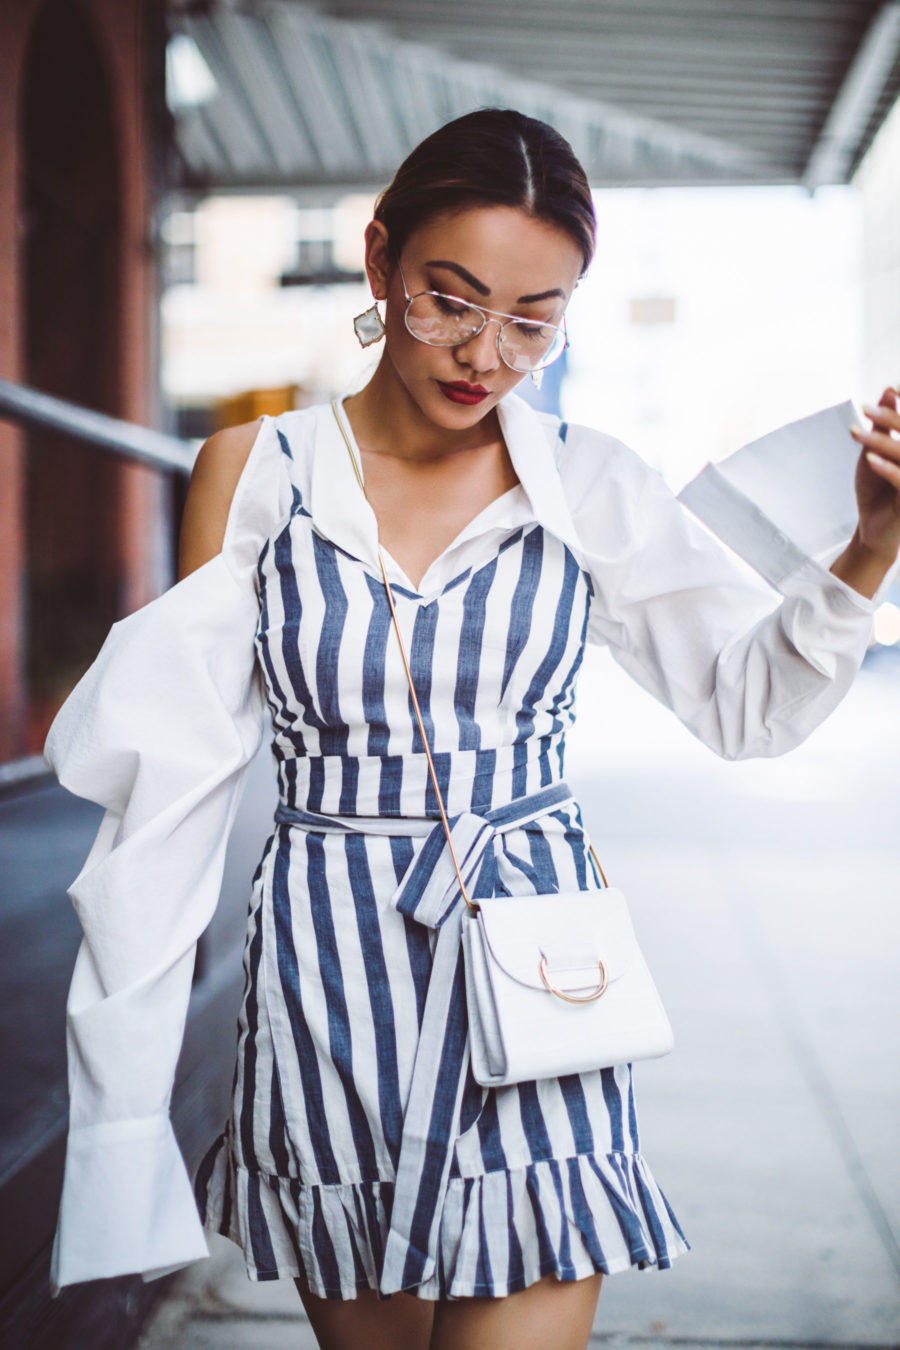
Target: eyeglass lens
(442, 322)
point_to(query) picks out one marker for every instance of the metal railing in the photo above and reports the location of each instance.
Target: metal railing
(30, 407)
(126, 440)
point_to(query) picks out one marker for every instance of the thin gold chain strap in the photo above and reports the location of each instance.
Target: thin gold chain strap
(412, 689)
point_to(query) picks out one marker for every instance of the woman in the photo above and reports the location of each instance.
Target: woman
(350, 1162)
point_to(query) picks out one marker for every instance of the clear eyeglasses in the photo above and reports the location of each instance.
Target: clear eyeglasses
(448, 321)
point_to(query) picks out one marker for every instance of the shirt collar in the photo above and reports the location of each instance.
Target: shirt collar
(534, 460)
(343, 515)
(340, 510)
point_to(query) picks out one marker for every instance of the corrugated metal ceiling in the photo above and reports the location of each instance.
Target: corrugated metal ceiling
(699, 91)
(759, 74)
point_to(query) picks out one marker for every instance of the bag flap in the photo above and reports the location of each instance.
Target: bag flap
(575, 931)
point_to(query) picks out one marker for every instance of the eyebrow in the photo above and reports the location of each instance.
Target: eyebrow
(543, 295)
(480, 287)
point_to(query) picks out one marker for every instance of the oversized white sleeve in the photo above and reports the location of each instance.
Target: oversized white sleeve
(748, 674)
(159, 731)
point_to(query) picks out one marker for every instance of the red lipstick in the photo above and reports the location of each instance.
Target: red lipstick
(460, 392)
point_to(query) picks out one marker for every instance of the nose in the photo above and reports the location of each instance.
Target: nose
(481, 352)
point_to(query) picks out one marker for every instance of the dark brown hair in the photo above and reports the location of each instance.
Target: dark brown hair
(492, 157)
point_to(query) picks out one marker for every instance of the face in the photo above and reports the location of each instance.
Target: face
(498, 257)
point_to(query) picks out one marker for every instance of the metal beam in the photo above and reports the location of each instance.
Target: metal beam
(367, 97)
(851, 111)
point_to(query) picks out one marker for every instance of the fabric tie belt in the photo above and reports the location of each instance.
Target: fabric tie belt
(429, 893)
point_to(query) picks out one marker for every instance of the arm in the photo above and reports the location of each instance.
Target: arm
(217, 469)
(749, 676)
(873, 549)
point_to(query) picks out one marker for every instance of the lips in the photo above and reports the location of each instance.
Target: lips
(460, 392)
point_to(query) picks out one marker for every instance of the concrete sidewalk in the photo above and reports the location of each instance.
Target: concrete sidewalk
(213, 1306)
(765, 895)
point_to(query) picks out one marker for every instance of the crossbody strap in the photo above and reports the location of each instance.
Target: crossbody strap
(412, 688)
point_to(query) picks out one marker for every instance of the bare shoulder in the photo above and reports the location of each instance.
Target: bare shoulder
(217, 468)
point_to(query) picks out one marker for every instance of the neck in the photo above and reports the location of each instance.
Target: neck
(387, 421)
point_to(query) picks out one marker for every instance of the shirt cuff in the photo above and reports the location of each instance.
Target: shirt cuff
(827, 620)
(826, 560)
(127, 1204)
(746, 528)
(742, 525)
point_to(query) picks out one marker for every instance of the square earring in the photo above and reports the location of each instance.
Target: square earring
(369, 327)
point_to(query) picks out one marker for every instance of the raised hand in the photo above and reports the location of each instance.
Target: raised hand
(876, 542)
(878, 477)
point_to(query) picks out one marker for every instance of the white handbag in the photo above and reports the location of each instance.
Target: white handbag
(555, 984)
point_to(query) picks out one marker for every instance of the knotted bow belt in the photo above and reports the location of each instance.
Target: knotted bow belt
(429, 893)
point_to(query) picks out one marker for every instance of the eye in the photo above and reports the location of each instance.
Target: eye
(533, 332)
(448, 306)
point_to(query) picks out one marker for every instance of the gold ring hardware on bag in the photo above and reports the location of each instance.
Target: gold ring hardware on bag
(575, 998)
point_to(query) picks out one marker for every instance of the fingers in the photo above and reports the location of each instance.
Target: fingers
(880, 441)
(887, 469)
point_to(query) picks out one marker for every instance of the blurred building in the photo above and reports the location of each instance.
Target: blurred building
(264, 299)
(83, 538)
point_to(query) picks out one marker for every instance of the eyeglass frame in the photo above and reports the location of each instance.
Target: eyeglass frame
(495, 313)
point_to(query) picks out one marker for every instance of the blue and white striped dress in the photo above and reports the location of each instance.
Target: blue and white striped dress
(542, 1177)
(360, 1152)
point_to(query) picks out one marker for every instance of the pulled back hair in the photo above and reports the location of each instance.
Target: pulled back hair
(492, 157)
